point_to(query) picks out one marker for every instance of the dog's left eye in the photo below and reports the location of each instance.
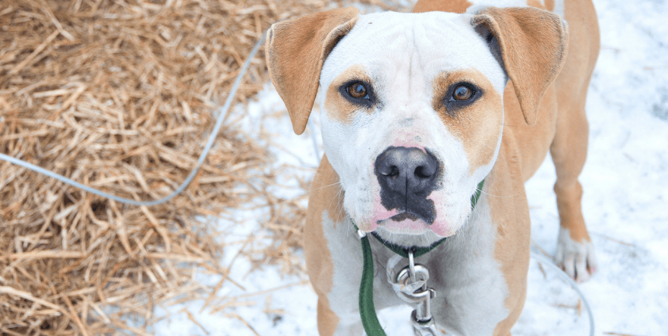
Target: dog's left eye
(462, 92)
(460, 95)
(358, 93)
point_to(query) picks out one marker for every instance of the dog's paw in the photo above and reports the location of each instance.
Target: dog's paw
(577, 259)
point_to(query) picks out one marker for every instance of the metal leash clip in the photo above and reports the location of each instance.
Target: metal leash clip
(410, 284)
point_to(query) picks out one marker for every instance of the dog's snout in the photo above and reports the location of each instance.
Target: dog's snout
(406, 170)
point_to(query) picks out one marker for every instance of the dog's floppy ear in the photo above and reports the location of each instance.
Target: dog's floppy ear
(531, 44)
(296, 50)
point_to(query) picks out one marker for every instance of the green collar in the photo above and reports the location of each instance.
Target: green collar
(403, 251)
(367, 310)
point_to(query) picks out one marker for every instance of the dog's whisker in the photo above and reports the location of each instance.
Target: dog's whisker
(323, 187)
(338, 207)
(497, 196)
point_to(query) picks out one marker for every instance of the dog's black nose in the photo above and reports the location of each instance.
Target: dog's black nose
(406, 171)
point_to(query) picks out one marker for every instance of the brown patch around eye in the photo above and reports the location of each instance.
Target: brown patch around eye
(477, 124)
(338, 107)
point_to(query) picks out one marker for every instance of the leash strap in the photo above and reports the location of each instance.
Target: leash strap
(367, 309)
(476, 196)
(222, 116)
(366, 306)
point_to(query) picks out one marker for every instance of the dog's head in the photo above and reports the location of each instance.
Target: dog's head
(412, 104)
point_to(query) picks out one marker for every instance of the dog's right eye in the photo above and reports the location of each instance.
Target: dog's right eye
(357, 90)
(358, 93)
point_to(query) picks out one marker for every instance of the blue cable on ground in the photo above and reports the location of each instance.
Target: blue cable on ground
(567, 279)
(219, 122)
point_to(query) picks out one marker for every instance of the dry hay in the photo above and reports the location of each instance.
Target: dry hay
(119, 95)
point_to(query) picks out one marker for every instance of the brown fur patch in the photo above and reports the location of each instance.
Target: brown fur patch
(454, 6)
(533, 46)
(338, 107)
(549, 5)
(510, 214)
(477, 126)
(325, 196)
(539, 135)
(569, 148)
(295, 52)
(327, 319)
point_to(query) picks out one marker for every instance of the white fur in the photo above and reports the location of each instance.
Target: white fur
(501, 3)
(471, 287)
(478, 4)
(559, 8)
(577, 259)
(402, 53)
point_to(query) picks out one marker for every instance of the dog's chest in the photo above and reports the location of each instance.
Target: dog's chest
(469, 284)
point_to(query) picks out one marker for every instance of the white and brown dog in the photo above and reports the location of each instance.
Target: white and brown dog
(416, 111)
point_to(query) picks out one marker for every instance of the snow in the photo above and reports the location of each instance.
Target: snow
(624, 205)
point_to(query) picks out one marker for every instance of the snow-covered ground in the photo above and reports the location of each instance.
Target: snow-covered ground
(626, 189)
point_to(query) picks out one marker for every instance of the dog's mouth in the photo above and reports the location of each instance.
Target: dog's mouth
(405, 223)
(400, 215)
(403, 216)
(410, 220)
(408, 216)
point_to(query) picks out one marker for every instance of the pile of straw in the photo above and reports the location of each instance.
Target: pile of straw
(120, 95)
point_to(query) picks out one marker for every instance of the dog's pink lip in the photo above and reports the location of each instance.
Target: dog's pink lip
(407, 216)
(406, 226)
(441, 231)
(442, 228)
(383, 214)
(415, 226)
(368, 227)
(392, 215)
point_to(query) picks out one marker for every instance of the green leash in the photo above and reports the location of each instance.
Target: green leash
(367, 309)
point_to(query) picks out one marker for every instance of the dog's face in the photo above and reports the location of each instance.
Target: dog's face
(412, 110)
(412, 117)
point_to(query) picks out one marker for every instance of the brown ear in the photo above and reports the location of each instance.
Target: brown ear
(296, 50)
(533, 45)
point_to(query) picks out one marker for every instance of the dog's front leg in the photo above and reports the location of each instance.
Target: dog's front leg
(329, 323)
(334, 260)
(333, 256)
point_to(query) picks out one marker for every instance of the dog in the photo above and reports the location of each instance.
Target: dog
(417, 109)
